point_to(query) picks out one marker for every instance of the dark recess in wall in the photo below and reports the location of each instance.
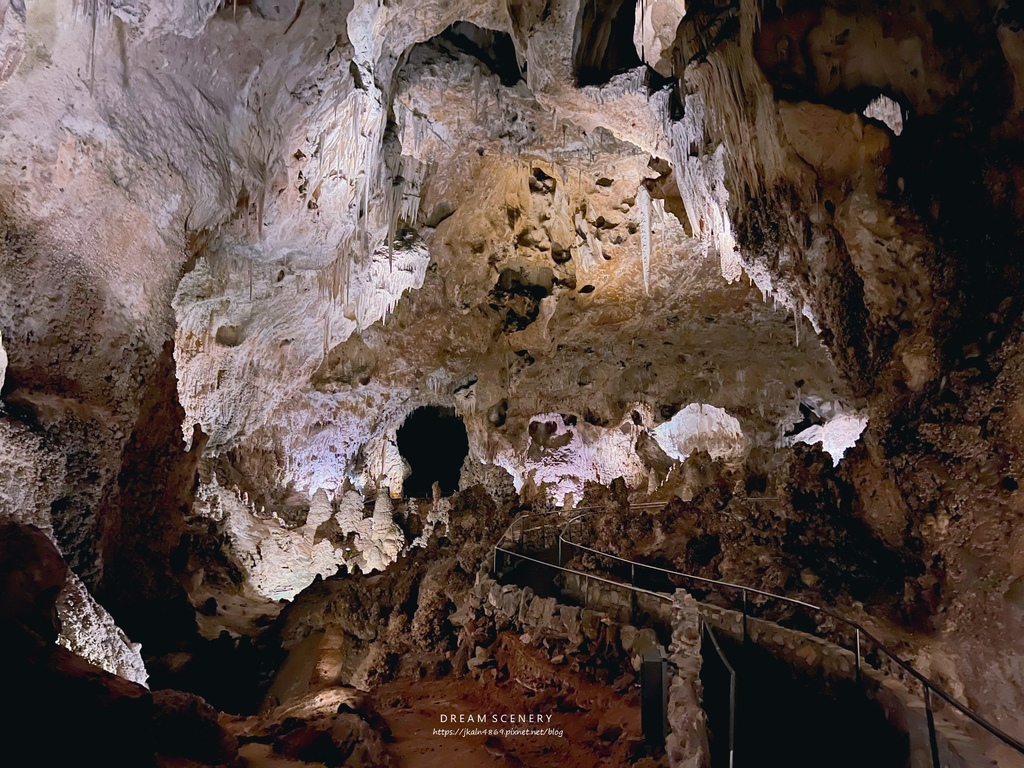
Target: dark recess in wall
(604, 42)
(495, 50)
(433, 440)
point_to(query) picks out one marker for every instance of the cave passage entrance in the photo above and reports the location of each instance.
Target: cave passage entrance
(433, 440)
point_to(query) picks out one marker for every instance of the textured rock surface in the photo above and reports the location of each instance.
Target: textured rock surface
(687, 742)
(86, 628)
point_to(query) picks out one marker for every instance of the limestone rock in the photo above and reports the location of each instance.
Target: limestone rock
(655, 31)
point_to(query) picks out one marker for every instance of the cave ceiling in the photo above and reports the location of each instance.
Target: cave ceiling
(285, 148)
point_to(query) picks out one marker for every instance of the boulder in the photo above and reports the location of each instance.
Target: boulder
(184, 725)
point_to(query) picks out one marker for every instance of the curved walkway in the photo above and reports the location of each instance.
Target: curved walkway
(533, 532)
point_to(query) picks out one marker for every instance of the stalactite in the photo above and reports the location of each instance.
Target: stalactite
(365, 223)
(327, 332)
(347, 256)
(476, 93)
(94, 11)
(394, 204)
(644, 199)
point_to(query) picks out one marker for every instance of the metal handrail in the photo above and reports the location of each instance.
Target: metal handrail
(732, 689)
(633, 588)
(928, 685)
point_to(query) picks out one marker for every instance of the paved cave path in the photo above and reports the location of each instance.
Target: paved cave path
(784, 717)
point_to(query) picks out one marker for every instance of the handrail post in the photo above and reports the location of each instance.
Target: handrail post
(744, 615)
(559, 550)
(857, 666)
(732, 717)
(932, 738)
(705, 629)
(632, 574)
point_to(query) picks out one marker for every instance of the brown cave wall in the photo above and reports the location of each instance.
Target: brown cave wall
(936, 476)
(144, 540)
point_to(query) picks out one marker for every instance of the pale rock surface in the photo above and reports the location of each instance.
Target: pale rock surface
(335, 201)
(382, 541)
(278, 562)
(686, 744)
(437, 522)
(12, 37)
(701, 427)
(378, 539)
(385, 468)
(654, 32)
(886, 110)
(220, 349)
(837, 435)
(561, 457)
(251, 198)
(89, 631)
(269, 320)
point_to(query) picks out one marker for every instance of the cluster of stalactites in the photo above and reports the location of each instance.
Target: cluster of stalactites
(737, 142)
(387, 195)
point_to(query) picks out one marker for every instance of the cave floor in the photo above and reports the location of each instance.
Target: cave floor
(599, 726)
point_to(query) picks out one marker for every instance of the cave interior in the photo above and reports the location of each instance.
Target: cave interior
(523, 383)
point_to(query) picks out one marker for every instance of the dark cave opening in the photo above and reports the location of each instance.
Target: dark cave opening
(494, 49)
(434, 442)
(604, 41)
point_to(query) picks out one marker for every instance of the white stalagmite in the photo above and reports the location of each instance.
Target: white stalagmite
(644, 200)
(584, 453)
(3, 362)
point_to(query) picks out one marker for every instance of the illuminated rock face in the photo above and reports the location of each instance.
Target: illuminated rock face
(608, 247)
(701, 427)
(27, 476)
(837, 435)
(88, 630)
(562, 456)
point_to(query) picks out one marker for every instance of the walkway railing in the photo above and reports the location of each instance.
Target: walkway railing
(517, 532)
(860, 633)
(732, 688)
